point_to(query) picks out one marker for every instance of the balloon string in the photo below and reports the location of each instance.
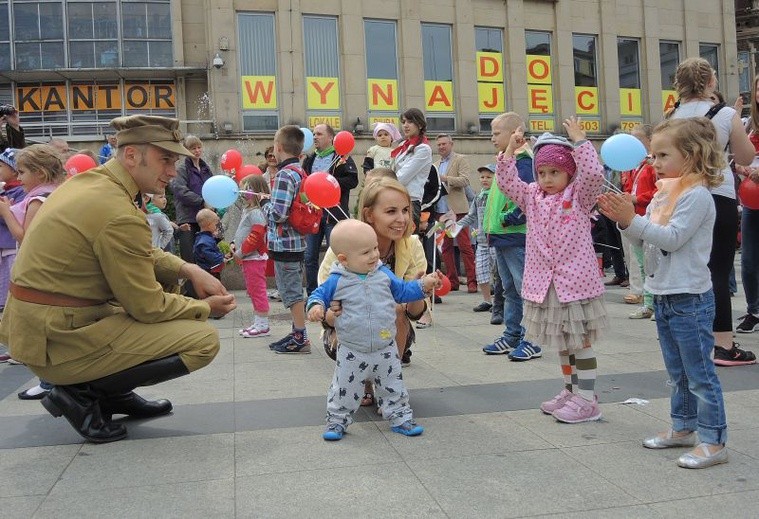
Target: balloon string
(341, 210)
(334, 161)
(612, 186)
(329, 213)
(262, 195)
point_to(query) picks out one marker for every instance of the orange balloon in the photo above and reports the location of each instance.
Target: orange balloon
(343, 142)
(445, 288)
(749, 194)
(231, 159)
(246, 170)
(79, 163)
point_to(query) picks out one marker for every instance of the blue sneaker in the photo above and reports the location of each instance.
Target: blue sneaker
(293, 346)
(284, 340)
(334, 432)
(408, 428)
(499, 347)
(525, 351)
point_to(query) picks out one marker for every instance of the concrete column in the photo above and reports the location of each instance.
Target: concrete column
(353, 66)
(562, 49)
(729, 50)
(410, 54)
(651, 62)
(515, 59)
(292, 90)
(608, 69)
(464, 67)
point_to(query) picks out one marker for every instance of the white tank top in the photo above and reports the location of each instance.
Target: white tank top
(723, 121)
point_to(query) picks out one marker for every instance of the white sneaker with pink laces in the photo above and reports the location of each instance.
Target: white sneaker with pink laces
(556, 402)
(577, 409)
(257, 330)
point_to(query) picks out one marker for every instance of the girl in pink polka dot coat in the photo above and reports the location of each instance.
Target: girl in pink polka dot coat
(561, 288)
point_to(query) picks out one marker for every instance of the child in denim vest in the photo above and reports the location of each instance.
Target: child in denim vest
(676, 235)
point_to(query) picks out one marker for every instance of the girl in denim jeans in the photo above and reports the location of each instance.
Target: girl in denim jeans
(677, 239)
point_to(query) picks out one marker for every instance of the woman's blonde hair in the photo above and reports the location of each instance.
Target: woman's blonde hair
(754, 106)
(371, 192)
(43, 160)
(257, 184)
(692, 78)
(192, 140)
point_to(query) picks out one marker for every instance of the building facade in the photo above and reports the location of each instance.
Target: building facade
(235, 70)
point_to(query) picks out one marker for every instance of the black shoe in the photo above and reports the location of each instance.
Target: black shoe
(496, 319)
(735, 356)
(438, 300)
(284, 340)
(748, 324)
(483, 307)
(79, 405)
(39, 394)
(406, 359)
(133, 405)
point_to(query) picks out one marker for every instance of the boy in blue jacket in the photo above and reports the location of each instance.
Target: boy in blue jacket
(367, 292)
(206, 251)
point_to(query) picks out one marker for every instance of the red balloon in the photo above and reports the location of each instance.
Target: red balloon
(445, 288)
(79, 163)
(343, 142)
(246, 170)
(231, 159)
(749, 193)
(322, 189)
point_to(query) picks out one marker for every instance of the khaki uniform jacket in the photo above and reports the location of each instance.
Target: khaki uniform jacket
(457, 178)
(88, 240)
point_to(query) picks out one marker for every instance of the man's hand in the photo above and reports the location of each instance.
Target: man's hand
(205, 284)
(221, 305)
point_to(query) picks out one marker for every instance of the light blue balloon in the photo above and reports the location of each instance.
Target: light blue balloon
(220, 191)
(623, 152)
(308, 141)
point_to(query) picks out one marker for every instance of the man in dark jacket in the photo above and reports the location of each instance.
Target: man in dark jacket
(344, 170)
(13, 137)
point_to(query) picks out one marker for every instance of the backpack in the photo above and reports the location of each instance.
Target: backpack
(304, 217)
(433, 189)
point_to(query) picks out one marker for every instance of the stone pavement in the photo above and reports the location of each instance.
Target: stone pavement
(245, 438)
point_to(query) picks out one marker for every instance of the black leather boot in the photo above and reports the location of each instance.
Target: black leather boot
(79, 405)
(117, 388)
(133, 405)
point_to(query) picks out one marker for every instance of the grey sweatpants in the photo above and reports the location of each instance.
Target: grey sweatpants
(383, 369)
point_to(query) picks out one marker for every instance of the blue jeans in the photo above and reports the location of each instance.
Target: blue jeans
(684, 323)
(510, 262)
(313, 247)
(750, 258)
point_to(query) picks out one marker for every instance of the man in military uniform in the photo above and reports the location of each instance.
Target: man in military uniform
(90, 308)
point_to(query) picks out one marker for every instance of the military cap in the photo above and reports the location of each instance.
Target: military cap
(150, 129)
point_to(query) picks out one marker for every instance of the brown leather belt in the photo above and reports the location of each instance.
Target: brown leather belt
(32, 295)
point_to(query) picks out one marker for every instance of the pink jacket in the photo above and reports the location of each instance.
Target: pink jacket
(559, 245)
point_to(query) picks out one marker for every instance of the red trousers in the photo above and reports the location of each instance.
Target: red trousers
(464, 242)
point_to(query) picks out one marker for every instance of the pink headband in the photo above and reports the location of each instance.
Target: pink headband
(557, 156)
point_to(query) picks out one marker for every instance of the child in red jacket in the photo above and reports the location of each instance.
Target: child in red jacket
(251, 240)
(640, 183)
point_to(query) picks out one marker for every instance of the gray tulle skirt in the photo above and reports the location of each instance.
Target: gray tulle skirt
(564, 326)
